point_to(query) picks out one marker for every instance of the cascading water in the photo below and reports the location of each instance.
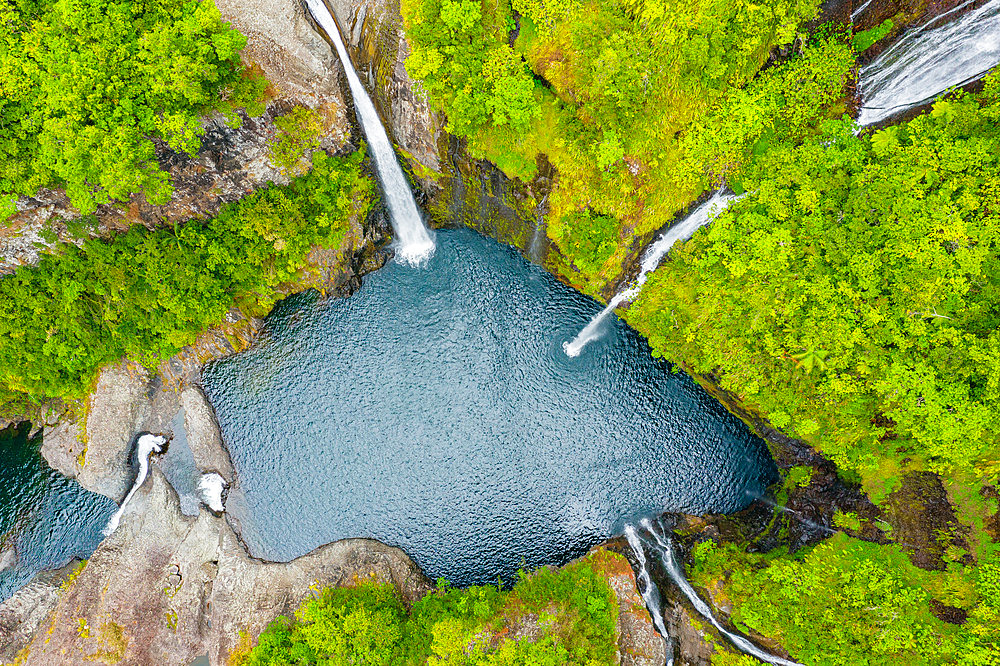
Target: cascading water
(650, 593)
(666, 550)
(414, 240)
(680, 231)
(211, 487)
(535, 247)
(145, 447)
(929, 60)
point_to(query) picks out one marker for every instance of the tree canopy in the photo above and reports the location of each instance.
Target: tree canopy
(87, 85)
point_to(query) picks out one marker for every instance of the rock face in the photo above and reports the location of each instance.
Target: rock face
(638, 642)
(373, 32)
(21, 615)
(167, 589)
(127, 402)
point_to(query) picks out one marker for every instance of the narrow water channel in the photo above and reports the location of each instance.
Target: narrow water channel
(46, 519)
(436, 410)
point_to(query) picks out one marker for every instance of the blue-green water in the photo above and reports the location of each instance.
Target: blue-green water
(436, 410)
(45, 518)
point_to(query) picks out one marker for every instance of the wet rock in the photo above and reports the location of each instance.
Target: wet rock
(373, 32)
(203, 434)
(946, 613)
(923, 520)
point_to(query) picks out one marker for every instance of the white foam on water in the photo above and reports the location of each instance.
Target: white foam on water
(145, 447)
(211, 487)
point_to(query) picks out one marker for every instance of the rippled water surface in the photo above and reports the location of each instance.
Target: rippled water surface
(436, 410)
(45, 518)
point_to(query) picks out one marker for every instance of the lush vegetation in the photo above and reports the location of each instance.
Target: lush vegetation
(638, 103)
(145, 294)
(852, 297)
(298, 133)
(85, 87)
(847, 602)
(566, 616)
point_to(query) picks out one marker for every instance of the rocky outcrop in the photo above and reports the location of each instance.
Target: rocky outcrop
(638, 642)
(128, 399)
(167, 588)
(23, 613)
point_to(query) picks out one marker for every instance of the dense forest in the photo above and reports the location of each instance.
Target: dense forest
(146, 294)
(571, 612)
(849, 299)
(89, 86)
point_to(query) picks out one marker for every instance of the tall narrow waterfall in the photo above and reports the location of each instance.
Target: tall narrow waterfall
(929, 60)
(145, 447)
(654, 255)
(650, 593)
(414, 240)
(677, 577)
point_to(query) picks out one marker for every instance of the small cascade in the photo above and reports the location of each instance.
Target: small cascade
(672, 568)
(210, 487)
(145, 447)
(654, 255)
(537, 240)
(930, 60)
(650, 593)
(414, 240)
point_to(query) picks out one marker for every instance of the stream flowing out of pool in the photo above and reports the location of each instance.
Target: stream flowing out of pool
(46, 519)
(435, 410)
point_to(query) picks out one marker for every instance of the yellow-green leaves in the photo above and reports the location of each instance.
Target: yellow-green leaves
(87, 85)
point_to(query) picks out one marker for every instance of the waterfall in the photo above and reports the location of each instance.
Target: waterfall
(145, 447)
(677, 576)
(650, 593)
(413, 239)
(929, 60)
(211, 487)
(535, 247)
(654, 255)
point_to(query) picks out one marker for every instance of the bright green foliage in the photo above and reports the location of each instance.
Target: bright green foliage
(460, 52)
(847, 602)
(85, 85)
(590, 237)
(357, 625)
(368, 624)
(783, 105)
(623, 82)
(146, 294)
(864, 40)
(298, 133)
(855, 292)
